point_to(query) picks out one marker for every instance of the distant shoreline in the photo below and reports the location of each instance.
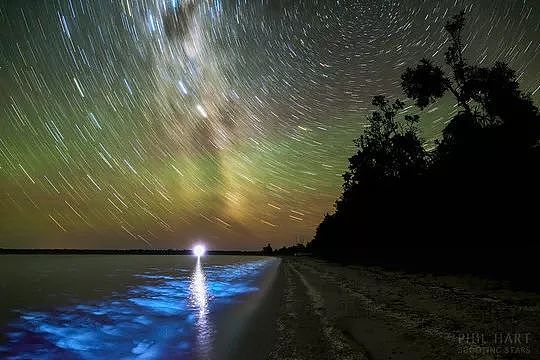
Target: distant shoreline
(122, 252)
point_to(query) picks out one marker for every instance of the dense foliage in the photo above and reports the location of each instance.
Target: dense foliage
(480, 184)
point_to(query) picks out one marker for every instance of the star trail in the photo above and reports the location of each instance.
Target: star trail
(153, 123)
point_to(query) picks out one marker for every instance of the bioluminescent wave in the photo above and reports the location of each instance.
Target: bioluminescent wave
(164, 316)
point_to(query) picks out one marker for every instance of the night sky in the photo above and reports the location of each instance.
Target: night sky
(158, 123)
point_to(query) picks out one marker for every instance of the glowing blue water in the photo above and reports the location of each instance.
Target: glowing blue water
(163, 316)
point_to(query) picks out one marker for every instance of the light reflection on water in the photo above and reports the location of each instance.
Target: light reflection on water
(199, 301)
(165, 316)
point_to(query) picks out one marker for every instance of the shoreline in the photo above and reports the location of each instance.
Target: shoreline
(257, 334)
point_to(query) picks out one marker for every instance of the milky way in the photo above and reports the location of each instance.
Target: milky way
(160, 123)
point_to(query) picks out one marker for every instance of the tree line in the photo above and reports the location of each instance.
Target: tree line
(471, 200)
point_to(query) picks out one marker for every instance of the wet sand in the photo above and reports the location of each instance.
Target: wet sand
(328, 311)
(249, 331)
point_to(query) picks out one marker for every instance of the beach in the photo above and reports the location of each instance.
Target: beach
(329, 311)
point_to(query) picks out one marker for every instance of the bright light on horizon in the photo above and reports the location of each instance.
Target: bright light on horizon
(199, 250)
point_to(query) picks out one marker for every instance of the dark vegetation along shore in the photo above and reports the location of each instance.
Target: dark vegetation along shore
(468, 205)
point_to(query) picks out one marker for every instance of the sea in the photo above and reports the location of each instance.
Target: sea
(129, 306)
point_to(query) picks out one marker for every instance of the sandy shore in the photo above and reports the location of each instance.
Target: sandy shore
(328, 311)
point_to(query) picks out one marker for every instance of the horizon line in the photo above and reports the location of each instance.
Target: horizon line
(82, 250)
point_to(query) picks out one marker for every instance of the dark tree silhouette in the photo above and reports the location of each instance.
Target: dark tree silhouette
(389, 153)
(267, 250)
(389, 150)
(297, 249)
(486, 164)
(481, 182)
(382, 178)
(488, 97)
